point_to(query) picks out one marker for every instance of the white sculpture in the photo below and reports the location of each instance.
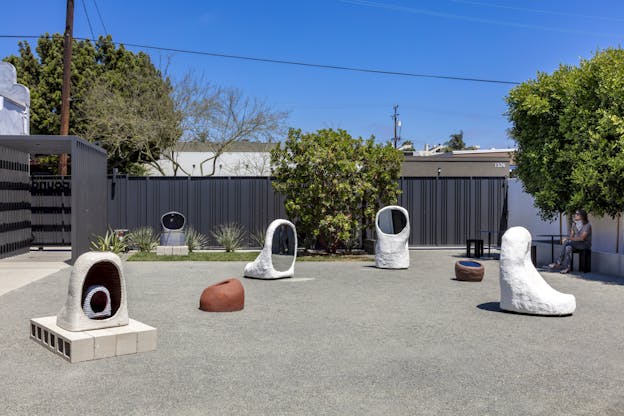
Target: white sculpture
(277, 258)
(393, 230)
(522, 288)
(95, 274)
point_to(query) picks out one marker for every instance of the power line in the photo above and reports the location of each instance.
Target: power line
(100, 16)
(84, 6)
(298, 63)
(394, 7)
(526, 9)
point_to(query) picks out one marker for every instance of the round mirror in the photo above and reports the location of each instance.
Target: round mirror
(283, 248)
(391, 221)
(173, 221)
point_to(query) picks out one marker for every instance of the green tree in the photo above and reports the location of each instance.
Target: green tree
(106, 80)
(326, 176)
(456, 142)
(569, 127)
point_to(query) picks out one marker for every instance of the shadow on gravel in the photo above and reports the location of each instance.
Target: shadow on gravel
(491, 306)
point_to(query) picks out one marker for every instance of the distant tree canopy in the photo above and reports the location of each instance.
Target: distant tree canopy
(334, 184)
(118, 98)
(456, 142)
(569, 127)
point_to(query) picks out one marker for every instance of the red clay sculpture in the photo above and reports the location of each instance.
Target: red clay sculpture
(226, 296)
(469, 271)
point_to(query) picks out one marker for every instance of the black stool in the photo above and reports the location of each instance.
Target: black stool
(478, 247)
(584, 260)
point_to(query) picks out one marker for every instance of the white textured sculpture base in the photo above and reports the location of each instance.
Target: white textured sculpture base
(523, 289)
(92, 345)
(280, 246)
(391, 247)
(172, 251)
(95, 269)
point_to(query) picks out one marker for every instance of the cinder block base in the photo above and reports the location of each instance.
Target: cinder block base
(92, 345)
(172, 251)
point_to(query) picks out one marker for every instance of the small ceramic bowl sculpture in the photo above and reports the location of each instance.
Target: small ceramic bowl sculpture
(469, 271)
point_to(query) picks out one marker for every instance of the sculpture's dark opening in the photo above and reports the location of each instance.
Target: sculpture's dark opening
(106, 274)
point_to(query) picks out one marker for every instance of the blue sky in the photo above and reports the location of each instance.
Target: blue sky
(490, 39)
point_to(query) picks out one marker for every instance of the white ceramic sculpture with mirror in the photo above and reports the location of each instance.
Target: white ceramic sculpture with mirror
(96, 297)
(277, 258)
(393, 230)
(94, 321)
(523, 289)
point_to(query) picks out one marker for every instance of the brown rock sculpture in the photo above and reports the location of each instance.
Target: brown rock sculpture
(469, 271)
(226, 296)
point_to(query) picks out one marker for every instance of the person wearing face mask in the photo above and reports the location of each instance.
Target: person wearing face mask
(580, 239)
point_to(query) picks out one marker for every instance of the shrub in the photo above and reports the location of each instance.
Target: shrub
(195, 240)
(258, 237)
(143, 239)
(229, 236)
(108, 242)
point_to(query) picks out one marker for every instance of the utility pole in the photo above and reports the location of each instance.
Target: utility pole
(396, 122)
(65, 91)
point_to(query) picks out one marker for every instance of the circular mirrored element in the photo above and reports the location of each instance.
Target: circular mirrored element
(97, 302)
(391, 221)
(173, 221)
(283, 248)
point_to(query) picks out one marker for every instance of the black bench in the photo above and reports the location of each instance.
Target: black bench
(584, 260)
(478, 247)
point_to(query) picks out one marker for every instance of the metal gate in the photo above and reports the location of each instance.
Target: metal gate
(51, 210)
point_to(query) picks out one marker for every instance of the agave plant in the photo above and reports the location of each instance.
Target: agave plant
(195, 240)
(229, 236)
(143, 239)
(108, 242)
(258, 237)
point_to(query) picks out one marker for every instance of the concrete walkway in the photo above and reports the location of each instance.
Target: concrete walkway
(18, 271)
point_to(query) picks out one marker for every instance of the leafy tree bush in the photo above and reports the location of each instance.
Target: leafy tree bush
(119, 99)
(569, 127)
(334, 183)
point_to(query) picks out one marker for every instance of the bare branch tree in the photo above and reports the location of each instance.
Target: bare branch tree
(219, 117)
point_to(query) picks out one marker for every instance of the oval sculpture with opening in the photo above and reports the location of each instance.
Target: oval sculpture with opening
(393, 230)
(277, 258)
(97, 279)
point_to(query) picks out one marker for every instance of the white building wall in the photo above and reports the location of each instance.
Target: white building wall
(522, 212)
(228, 164)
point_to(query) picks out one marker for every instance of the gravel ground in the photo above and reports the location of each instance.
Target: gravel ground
(340, 339)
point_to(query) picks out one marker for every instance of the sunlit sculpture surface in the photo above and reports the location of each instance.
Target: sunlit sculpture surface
(393, 230)
(277, 258)
(523, 289)
(94, 321)
(99, 277)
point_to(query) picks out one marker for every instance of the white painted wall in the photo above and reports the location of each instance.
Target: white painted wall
(605, 260)
(228, 164)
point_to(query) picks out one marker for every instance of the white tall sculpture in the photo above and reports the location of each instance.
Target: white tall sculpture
(96, 297)
(393, 230)
(277, 258)
(522, 288)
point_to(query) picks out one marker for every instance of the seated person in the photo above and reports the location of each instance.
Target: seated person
(580, 239)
